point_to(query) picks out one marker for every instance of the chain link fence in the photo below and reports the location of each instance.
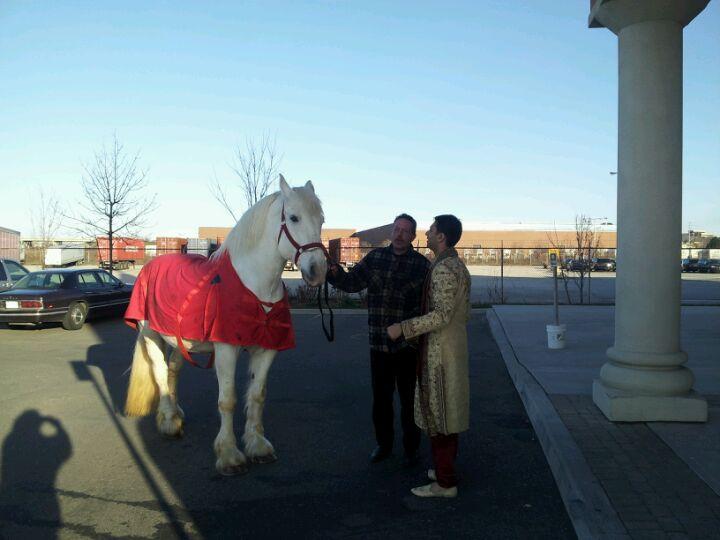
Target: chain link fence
(500, 275)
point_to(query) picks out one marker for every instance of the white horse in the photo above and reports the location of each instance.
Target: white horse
(258, 247)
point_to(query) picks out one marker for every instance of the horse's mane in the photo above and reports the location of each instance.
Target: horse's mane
(247, 232)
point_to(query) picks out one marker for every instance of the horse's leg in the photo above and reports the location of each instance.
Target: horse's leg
(174, 365)
(230, 460)
(169, 422)
(257, 447)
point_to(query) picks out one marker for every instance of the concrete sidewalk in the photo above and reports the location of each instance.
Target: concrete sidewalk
(618, 480)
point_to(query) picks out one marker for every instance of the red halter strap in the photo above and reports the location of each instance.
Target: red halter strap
(299, 250)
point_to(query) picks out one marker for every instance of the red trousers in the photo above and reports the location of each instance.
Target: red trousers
(444, 451)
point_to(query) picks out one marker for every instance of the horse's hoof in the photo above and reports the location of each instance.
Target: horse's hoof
(233, 470)
(268, 458)
(173, 436)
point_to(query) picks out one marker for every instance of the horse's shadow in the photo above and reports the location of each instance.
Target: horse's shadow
(317, 416)
(311, 419)
(32, 455)
(184, 460)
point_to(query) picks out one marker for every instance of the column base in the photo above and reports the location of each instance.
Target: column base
(624, 406)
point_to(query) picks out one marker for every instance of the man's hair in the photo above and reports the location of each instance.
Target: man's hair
(409, 218)
(450, 226)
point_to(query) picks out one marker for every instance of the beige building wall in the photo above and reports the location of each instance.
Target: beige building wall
(496, 239)
(219, 234)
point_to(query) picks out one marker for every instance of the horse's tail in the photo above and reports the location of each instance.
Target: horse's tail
(143, 393)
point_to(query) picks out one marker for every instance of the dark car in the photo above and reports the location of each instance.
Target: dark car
(68, 296)
(11, 272)
(690, 265)
(578, 265)
(708, 265)
(603, 265)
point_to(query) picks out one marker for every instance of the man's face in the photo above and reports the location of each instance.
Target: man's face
(402, 235)
(432, 237)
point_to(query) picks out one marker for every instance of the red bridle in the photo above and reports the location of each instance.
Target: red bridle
(299, 250)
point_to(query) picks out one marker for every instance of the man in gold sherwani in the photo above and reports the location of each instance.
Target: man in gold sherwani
(442, 393)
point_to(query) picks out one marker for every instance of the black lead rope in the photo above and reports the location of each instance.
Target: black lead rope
(331, 334)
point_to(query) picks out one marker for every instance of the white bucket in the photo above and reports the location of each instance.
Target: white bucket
(556, 336)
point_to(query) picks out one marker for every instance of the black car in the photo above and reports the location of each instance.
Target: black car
(68, 296)
(708, 265)
(603, 265)
(690, 265)
(578, 265)
(11, 271)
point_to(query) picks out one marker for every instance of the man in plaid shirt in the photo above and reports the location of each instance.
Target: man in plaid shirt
(394, 277)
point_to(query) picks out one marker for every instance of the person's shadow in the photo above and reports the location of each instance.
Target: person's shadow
(32, 455)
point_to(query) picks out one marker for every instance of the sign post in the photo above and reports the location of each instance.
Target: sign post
(556, 332)
(553, 265)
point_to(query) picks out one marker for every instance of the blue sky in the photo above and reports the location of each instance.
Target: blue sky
(496, 111)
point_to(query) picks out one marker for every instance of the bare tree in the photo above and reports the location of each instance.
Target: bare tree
(46, 217)
(585, 246)
(561, 249)
(113, 200)
(587, 241)
(256, 167)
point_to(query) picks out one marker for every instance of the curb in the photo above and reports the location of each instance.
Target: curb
(586, 502)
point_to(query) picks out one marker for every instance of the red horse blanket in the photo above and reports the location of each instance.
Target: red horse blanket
(202, 299)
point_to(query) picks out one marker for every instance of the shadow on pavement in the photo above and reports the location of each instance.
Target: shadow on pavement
(317, 416)
(32, 455)
(114, 356)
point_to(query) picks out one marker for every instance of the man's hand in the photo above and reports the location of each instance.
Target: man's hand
(394, 331)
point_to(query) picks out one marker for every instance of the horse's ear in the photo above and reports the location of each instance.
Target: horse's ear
(284, 187)
(310, 186)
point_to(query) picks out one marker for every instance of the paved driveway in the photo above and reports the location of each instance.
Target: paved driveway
(73, 466)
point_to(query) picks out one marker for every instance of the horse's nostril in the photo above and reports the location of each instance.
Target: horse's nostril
(313, 270)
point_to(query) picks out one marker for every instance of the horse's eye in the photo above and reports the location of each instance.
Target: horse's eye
(294, 219)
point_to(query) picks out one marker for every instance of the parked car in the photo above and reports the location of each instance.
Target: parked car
(11, 272)
(68, 296)
(708, 265)
(603, 265)
(578, 265)
(690, 265)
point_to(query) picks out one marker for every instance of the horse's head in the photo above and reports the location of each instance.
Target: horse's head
(299, 240)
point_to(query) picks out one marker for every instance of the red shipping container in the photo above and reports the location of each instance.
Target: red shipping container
(167, 244)
(345, 251)
(129, 250)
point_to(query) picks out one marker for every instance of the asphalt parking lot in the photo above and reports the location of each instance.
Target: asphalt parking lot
(74, 466)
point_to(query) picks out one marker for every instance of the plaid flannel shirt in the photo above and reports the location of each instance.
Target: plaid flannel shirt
(394, 286)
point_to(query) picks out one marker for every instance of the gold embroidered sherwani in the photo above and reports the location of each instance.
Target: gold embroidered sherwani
(442, 393)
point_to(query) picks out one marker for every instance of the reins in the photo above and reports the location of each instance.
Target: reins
(331, 334)
(299, 250)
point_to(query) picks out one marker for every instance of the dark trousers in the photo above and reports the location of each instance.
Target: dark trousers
(444, 451)
(390, 370)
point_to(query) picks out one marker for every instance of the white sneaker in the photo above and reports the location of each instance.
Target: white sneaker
(431, 475)
(434, 490)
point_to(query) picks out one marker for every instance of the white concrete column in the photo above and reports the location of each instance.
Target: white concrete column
(644, 379)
